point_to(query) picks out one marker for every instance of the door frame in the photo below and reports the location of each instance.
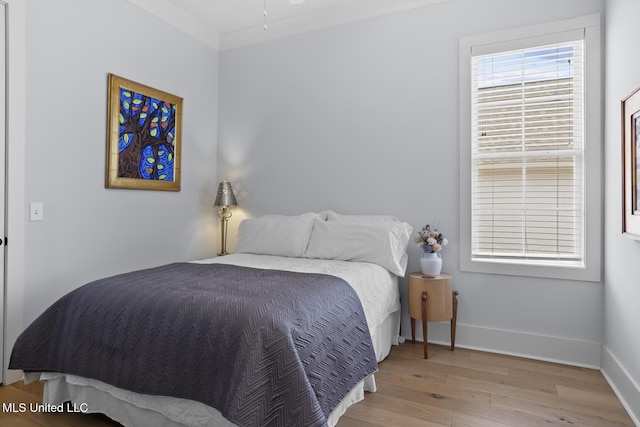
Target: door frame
(15, 182)
(3, 161)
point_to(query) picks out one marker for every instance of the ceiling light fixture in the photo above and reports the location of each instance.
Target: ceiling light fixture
(264, 14)
(264, 11)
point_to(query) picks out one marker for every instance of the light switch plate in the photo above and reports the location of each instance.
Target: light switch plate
(35, 212)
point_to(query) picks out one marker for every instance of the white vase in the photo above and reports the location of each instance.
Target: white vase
(431, 263)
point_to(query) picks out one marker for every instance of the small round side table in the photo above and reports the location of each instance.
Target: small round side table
(431, 299)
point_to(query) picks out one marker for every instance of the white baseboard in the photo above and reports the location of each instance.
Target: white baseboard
(622, 384)
(12, 376)
(585, 354)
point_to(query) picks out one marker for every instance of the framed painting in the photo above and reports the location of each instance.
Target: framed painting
(143, 137)
(631, 165)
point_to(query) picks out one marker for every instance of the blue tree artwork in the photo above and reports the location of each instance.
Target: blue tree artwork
(146, 144)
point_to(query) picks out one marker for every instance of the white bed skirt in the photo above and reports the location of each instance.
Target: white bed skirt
(135, 410)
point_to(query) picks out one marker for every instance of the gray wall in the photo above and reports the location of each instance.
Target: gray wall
(88, 231)
(363, 118)
(621, 352)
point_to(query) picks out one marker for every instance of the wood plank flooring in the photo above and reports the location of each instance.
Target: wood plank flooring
(468, 388)
(463, 388)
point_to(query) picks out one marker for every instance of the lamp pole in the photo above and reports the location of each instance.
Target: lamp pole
(224, 216)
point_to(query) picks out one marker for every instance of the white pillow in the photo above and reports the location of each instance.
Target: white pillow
(382, 243)
(334, 216)
(279, 235)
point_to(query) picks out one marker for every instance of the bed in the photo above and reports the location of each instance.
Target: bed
(347, 265)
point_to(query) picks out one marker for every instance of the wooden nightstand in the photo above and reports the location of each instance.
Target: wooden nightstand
(431, 299)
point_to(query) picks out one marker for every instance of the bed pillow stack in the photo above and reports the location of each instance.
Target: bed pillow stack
(379, 239)
(278, 235)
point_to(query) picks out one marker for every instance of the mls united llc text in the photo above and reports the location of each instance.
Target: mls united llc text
(44, 407)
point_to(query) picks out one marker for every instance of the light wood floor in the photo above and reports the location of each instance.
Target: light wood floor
(461, 388)
(469, 388)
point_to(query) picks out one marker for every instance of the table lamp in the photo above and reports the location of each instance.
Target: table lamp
(224, 199)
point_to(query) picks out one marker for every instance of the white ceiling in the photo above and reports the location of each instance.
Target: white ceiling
(227, 24)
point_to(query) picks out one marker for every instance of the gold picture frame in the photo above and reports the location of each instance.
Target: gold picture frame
(631, 165)
(143, 137)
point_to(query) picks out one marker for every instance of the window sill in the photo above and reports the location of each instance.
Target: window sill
(542, 269)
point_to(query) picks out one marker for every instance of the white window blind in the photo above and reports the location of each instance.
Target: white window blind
(527, 143)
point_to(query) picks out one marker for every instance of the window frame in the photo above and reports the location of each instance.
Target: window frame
(519, 38)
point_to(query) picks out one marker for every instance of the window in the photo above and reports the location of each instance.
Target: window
(530, 144)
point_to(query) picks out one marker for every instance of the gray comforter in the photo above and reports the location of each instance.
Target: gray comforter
(264, 347)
